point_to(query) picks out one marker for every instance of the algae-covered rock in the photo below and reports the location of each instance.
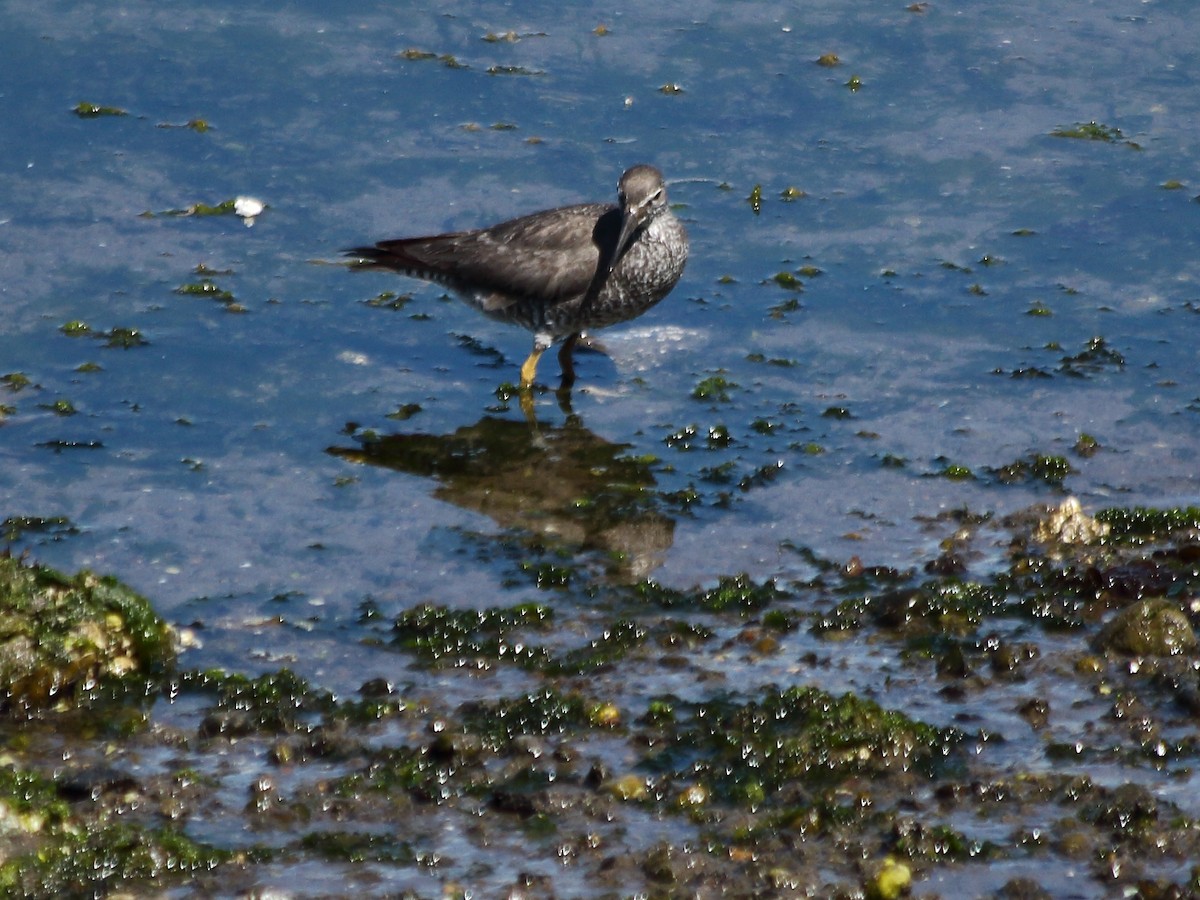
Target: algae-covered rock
(1153, 627)
(59, 634)
(1069, 524)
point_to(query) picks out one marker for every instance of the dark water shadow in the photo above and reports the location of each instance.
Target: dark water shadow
(571, 488)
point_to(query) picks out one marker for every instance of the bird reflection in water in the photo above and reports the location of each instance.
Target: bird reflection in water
(565, 484)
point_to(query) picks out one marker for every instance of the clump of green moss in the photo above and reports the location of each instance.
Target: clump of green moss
(59, 636)
(124, 338)
(1094, 131)
(359, 846)
(86, 110)
(274, 703)
(99, 859)
(225, 207)
(957, 472)
(443, 636)
(755, 199)
(801, 737)
(715, 388)
(1095, 357)
(613, 643)
(1149, 522)
(119, 337)
(544, 712)
(209, 290)
(737, 592)
(781, 309)
(1086, 445)
(1053, 470)
(943, 606)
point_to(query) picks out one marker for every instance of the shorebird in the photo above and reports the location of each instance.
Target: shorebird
(556, 272)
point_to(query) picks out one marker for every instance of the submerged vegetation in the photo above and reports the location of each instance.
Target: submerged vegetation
(1095, 131)
(749, 768)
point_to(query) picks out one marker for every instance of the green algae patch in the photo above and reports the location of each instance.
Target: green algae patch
(61, 407)
(614, 642)
(75, 328)
(957, 472)
(276, 703)
(739, 593)
(358, 846)
(1143, 522)
(543, 713)
(1096, 356)
(224, 208)
(86, 110)
(442, 636)
(1095, 131)
(1086, 445)
(755, 199)
(481, 639)
(944, 606)
(1053, 470)
(457, 760)
(96, 860)
(715, 388)
(207, 289)
(200, 126)
(780, 310)
(29, 803)
(119, 337)
(788, 741)
(446, 59)
(59, 636)
(124, 338)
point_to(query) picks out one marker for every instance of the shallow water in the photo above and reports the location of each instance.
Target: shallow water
(964, 260)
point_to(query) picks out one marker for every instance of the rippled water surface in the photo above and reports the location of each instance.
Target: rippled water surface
(970, 244)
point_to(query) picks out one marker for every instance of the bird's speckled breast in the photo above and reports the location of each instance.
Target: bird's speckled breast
(645, 274)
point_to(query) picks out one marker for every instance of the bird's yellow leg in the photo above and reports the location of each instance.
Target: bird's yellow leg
(567, 361)
(529, 369)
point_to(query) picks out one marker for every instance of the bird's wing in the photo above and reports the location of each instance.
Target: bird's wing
(550, 256)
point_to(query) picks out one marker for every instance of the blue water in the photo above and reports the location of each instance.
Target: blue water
(938, 206)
